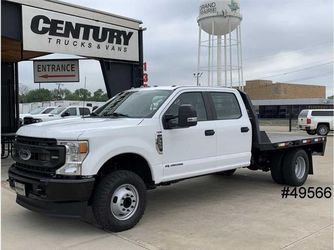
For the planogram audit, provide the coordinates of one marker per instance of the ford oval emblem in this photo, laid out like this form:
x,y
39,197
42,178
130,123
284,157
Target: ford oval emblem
x,y
24,154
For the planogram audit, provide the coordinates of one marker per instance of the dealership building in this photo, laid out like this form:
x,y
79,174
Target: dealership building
x,y
279,100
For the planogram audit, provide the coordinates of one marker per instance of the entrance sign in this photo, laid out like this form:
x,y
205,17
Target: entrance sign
x,y
53,32
56,71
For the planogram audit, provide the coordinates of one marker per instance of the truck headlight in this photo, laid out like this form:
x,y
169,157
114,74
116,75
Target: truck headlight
x,y
76,152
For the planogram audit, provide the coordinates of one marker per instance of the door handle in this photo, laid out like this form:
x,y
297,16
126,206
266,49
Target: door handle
x,y
244,129
209,132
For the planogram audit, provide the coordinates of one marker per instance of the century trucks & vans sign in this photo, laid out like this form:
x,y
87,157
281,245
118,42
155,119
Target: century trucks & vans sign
x,y
53,32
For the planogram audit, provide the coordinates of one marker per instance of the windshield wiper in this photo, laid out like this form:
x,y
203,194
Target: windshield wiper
x,y
115,114
119,114
93,114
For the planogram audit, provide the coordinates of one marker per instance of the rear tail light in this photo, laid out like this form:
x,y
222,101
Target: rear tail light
x,y
308,121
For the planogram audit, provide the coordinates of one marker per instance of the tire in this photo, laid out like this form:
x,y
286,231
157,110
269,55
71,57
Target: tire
x,y
311,132
322,129
117,192
295,167
276,169
227,172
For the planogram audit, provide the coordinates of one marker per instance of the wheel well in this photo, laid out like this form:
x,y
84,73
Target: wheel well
x,y
323,123
131,162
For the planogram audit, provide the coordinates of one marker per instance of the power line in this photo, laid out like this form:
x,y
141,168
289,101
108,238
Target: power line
x,y
294,71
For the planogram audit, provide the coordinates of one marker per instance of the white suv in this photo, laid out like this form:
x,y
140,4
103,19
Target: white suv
x,y
316,121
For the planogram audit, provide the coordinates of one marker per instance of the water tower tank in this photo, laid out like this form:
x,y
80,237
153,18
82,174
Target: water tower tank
x,y
219,17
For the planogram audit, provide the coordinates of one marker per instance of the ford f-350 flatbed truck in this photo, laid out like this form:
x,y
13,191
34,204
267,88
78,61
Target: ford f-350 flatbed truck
x,y
143,138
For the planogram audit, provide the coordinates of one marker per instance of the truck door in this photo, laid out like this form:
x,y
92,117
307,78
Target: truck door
x,y
189,151
233,131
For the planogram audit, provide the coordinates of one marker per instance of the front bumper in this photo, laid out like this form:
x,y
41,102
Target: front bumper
x,y
52,196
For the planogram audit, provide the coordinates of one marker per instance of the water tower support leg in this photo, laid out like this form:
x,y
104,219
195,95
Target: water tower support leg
x,y
199,49
225,58
209,60
238,57
219,61
241,65
230,37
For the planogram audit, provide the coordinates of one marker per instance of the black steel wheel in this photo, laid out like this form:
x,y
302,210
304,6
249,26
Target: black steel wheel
x,y
295,167
276,168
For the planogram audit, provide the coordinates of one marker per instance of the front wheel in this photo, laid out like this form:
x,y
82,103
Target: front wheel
x,y
119,201
295,167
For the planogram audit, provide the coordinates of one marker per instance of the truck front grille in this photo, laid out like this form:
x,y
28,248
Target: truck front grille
x,y
38,155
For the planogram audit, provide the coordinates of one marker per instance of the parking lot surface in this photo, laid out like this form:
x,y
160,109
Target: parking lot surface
x,y
243,211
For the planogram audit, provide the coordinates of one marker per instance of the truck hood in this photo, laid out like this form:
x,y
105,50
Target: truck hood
x,y
41,116
72,128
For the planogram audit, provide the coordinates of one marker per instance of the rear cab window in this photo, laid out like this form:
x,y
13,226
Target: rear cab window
x,y
84,111
226,105
303,114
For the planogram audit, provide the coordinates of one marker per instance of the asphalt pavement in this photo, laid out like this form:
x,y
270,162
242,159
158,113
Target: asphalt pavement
x,y
244,211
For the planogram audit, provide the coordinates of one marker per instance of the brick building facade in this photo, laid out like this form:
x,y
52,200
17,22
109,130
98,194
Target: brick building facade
x,y
282,100
267,90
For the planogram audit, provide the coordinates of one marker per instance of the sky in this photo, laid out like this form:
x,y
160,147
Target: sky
x,y
284,41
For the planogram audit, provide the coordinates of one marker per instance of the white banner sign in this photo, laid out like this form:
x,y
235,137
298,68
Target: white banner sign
x,y
48,31
56,71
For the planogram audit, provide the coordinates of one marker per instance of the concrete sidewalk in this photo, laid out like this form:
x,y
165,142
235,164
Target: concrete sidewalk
x,y
244,211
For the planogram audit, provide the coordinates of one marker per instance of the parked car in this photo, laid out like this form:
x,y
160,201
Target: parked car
x,y
58,113
37,111
316,121
144,138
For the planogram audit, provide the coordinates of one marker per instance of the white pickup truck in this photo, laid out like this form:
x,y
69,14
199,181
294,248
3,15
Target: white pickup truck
x,y
57,114
143,138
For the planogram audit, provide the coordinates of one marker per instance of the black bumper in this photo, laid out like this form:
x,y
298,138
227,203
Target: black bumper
x,y
52,196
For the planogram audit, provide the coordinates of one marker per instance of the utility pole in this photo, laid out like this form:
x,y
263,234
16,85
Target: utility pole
x,y
198,76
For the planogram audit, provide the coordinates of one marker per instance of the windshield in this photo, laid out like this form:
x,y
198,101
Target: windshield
x,y
36,111
57,111
134,104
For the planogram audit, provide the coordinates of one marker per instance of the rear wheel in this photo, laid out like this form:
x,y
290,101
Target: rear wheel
x,y
295,167
119,201
311,132
322,129
276,169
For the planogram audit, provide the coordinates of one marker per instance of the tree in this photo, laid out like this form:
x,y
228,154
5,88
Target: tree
x,y
38,95
99,96
330,97
81,94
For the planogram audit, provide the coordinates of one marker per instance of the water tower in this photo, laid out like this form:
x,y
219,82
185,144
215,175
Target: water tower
x,y
220,39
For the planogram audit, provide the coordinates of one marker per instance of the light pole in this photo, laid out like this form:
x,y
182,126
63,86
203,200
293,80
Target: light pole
x,y
198,76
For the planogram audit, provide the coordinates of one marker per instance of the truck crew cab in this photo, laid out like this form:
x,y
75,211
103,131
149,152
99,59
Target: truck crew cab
x,y
143,138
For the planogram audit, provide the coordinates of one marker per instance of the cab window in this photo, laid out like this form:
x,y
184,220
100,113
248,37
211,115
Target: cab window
x,y
193,98
72,111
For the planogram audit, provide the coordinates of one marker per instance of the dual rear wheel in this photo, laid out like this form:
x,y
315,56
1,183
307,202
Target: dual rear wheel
x,y
291,168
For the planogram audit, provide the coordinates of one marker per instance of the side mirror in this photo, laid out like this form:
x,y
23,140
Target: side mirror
x,y
187,116
65,114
